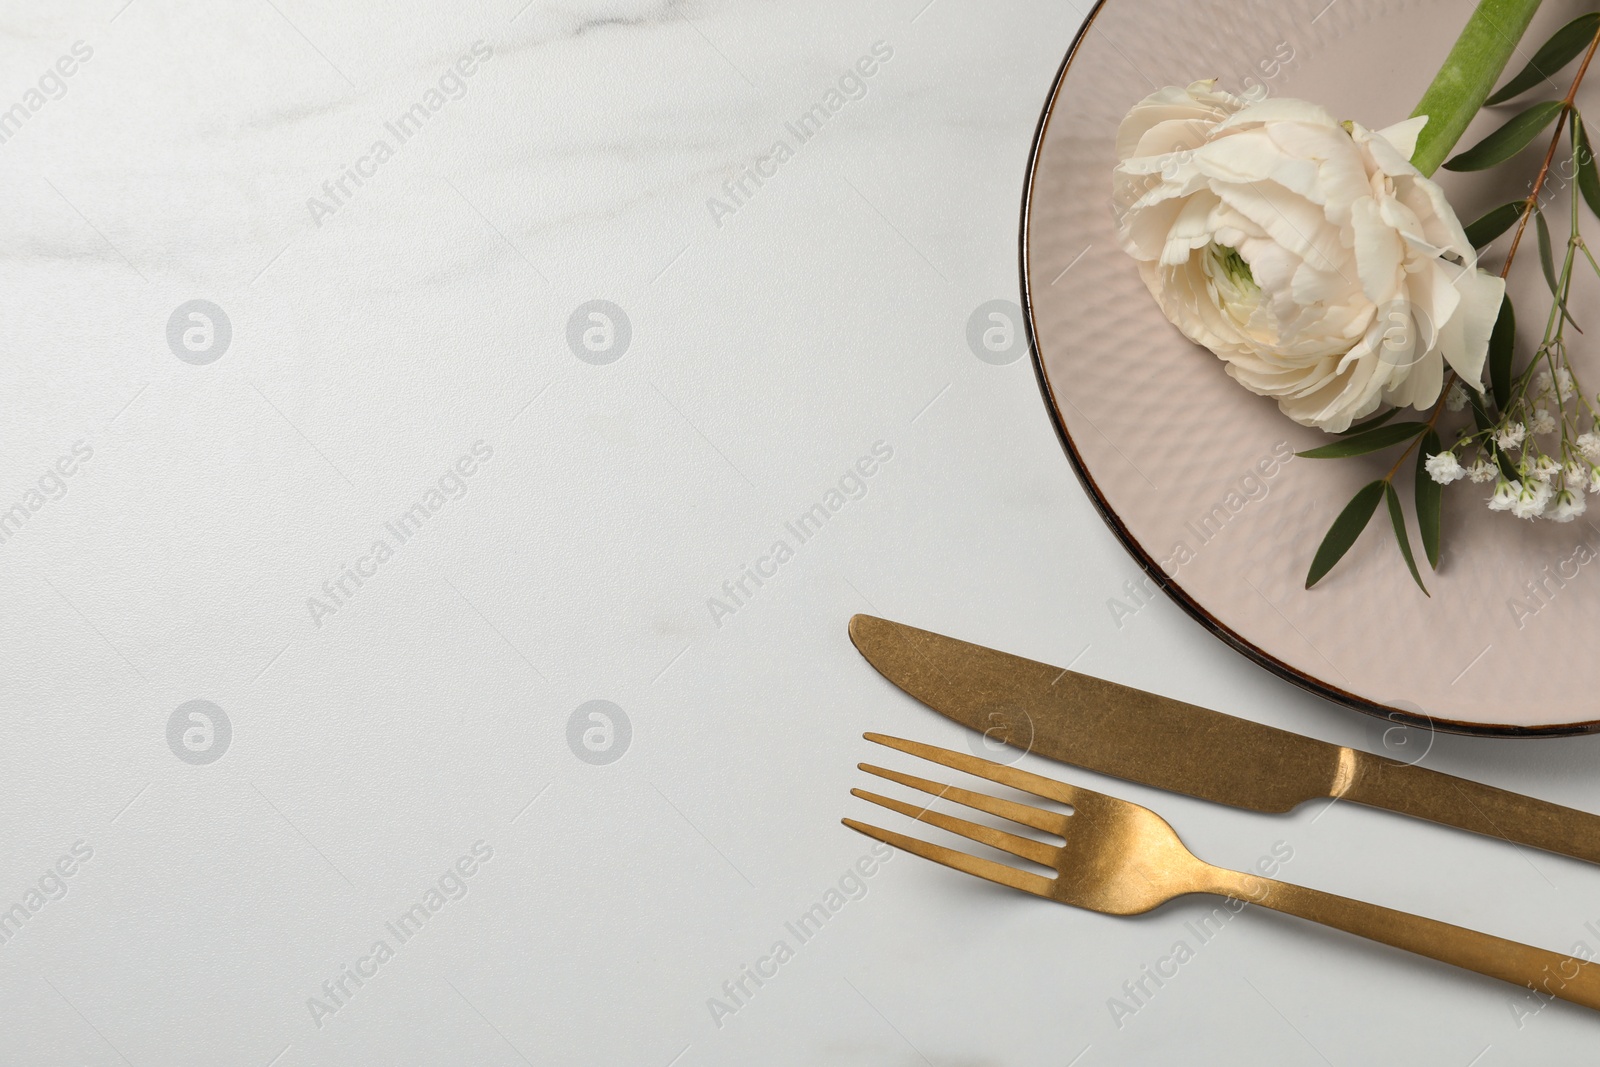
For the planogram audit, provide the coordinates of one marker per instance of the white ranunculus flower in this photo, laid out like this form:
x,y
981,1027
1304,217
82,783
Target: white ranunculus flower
x,y
1308,254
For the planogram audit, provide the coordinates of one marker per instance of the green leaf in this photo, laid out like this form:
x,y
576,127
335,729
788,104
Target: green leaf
x,y
1588,176
1345,529
1502,343
1495,223
1508,140
1368,441
1398,517
1468,76
1376,420
1548,264
1562,48
1430,495
1546,255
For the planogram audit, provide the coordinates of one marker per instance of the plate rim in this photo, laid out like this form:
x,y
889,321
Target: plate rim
x,y
1144,559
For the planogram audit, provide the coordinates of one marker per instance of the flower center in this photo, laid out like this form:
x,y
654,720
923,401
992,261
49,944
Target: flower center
x,y
1233,265
1232,285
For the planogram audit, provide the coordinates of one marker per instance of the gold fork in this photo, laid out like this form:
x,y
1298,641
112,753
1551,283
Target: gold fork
x,y
1123,859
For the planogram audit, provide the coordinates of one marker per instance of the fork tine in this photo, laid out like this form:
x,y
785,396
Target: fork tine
x,y
981,868
1048,821
1026,847
1037,784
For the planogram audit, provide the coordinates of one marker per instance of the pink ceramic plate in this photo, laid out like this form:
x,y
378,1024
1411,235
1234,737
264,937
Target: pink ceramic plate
x,y
1191,471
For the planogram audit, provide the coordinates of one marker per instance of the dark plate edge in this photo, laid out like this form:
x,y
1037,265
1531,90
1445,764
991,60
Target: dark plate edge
x,y
1146,562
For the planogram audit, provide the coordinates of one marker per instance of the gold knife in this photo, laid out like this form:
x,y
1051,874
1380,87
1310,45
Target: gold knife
x,y
1157,741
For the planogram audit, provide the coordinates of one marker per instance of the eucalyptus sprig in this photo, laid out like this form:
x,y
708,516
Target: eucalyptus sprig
x,y
1533,430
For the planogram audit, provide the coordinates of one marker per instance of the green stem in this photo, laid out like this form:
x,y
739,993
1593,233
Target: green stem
x,y
1468,76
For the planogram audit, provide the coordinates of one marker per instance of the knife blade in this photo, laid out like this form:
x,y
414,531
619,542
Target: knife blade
x,y
1184,748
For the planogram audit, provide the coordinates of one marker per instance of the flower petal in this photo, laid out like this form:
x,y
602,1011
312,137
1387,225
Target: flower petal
x,y
1465,340
1403,135
1198,104
1379,251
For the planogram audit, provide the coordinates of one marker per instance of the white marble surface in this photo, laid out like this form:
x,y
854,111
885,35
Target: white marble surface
x,y
380,739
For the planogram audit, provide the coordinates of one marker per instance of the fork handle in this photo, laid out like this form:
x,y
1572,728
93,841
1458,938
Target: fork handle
x,y
1547,972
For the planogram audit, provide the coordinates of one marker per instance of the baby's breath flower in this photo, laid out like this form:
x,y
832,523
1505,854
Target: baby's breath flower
x,y
1511,436
1456,399
1444,468
1543,469
1576,476
1505,495
1543,421
1589,445
1564,387
1531,501
1541,383
1483,471
1569,505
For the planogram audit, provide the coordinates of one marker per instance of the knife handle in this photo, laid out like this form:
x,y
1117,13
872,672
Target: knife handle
x,y
1548,973
1444,798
